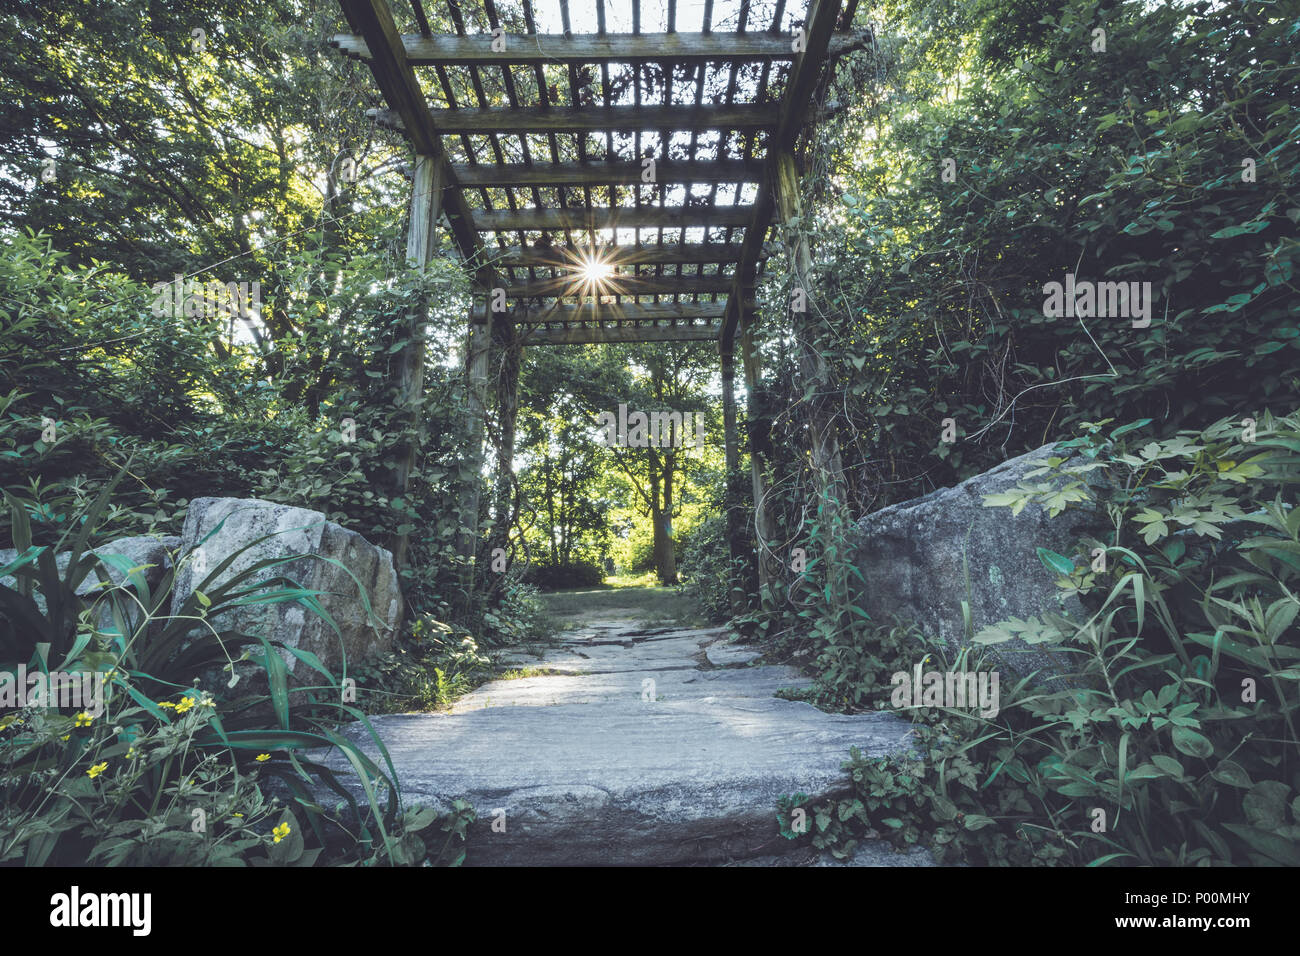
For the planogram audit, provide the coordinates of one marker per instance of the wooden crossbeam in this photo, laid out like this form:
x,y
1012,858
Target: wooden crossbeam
x,y
523,50
595,335
586,119
599,312
604,174
820,24
373,20
564,257
646,217
572,285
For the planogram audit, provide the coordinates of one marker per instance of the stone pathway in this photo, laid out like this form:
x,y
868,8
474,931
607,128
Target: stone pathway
x,y
636,746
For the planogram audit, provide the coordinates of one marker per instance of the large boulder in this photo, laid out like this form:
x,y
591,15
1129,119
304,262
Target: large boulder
x,y
216,528
920,559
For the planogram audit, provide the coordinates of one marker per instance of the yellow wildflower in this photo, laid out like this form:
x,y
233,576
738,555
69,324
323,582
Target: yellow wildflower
x,y
96,770
185,704
84,719
280,832
262,757
166,705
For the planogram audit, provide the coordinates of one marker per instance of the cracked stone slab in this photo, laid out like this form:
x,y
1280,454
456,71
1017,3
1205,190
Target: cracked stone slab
x,y
667,654
625,782
722,654
629,685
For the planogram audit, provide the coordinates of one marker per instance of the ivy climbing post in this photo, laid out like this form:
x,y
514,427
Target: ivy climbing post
x,y
824,447
421,246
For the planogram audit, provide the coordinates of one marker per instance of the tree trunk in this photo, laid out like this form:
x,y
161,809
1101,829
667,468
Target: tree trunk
x,y
662,515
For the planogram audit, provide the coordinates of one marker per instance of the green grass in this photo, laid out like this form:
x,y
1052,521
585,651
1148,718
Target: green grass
x,y
520,673
645,580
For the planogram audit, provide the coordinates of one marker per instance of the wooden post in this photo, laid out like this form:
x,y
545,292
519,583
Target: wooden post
x,y
506,342
421,244
736,537
828,467
478,346
763,531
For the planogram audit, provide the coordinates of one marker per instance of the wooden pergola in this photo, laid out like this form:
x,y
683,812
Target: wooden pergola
x,y
603,186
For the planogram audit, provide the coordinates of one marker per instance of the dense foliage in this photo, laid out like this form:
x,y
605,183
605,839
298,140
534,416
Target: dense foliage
x,y
1161,150
974,153
1176,742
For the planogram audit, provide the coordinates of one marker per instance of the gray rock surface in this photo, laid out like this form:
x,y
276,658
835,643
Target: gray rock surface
x,y
299,535
724,654
920,559
594,767
153,555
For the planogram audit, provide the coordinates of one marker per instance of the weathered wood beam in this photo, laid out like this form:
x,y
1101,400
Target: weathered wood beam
x,y
565,257
478,345
580,119
421,245
646,217
373,21
581,48
736,538
759,428
595,335
793,113
573,286
604,174
598,312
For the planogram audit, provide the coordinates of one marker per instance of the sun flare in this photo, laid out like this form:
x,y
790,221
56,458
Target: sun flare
x,y
593,272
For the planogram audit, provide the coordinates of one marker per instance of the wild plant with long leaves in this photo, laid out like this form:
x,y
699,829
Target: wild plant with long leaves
x,y
169,772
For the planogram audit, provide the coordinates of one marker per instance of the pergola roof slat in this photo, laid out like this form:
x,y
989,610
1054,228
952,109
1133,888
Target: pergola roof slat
x,y
571,119
605,312
622,284
605,173
675,252
596,335
641,217
585,48
670,139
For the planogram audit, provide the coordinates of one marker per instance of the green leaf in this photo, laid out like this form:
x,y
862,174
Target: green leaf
x,y
1265,805
1168,764
1232,773
1055,562
1193,744
1276,848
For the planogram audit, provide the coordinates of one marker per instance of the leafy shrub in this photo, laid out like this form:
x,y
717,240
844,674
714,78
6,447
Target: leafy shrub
x,y
1176,744
706,562
430,667
574,574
